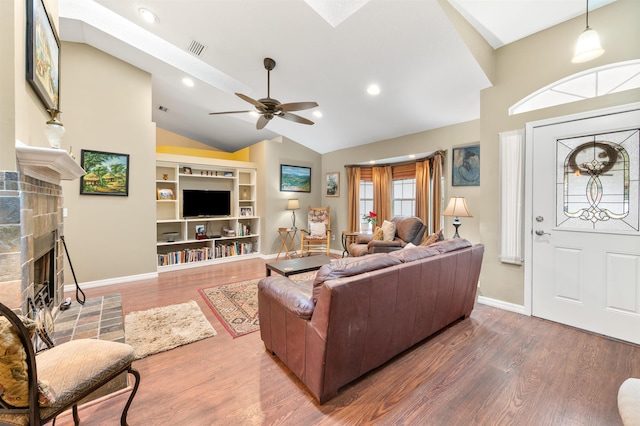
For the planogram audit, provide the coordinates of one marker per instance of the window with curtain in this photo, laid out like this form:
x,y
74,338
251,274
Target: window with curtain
x,y
366,197
511,176
404,197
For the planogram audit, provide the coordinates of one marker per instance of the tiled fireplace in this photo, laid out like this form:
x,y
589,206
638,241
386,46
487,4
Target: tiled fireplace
x,y
31,223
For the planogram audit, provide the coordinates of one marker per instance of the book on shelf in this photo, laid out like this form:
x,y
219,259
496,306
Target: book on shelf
x,y
233,249
185,256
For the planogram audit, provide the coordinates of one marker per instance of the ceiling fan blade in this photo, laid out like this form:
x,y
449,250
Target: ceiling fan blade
x,y
257,104
262,121
297,106
293,117
230,112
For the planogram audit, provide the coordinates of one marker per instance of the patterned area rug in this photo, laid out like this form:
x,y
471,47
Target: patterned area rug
x,y
236,304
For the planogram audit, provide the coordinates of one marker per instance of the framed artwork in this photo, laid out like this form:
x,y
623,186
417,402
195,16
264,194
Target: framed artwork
x,y
43,55
165,194
465,166
107,173
332,188
295,178
186,170
246,211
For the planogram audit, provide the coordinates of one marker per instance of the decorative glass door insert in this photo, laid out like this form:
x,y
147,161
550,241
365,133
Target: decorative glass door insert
x,y
597,182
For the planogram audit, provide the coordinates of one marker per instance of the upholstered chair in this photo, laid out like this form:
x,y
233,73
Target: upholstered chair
x,y
39,388
317,236
407,230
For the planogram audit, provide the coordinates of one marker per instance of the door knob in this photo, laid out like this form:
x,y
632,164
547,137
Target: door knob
x,y
540,232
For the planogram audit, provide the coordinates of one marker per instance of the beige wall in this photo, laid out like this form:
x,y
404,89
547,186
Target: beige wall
x,y
268,155
107,107
22,114
522,68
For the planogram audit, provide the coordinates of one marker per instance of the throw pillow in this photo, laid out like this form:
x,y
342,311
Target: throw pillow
x,y
388,230
318,229
14,380
409,245
433,238
378,234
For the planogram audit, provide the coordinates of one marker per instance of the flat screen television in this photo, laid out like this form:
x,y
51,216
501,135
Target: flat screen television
x,y
200,202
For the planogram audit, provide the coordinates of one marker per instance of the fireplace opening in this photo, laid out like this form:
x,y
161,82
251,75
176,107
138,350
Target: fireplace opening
x,y
44,275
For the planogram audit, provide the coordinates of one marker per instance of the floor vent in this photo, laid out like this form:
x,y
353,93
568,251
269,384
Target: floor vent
x,y
196,48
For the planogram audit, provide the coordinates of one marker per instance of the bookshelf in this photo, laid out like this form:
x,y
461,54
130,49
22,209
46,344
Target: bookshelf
x,y
225,238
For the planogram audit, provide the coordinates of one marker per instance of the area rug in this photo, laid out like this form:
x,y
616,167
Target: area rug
x,y
236,304
160,329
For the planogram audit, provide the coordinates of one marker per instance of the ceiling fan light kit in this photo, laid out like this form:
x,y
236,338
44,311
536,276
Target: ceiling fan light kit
x,y
268,107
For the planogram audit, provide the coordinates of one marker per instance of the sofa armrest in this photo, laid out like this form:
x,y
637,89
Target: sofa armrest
x,y
364,238
294,297
385,244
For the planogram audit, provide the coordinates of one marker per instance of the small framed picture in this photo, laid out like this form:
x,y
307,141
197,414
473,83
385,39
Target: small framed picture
x,y
200,230
165,194
332,188
246,211
186,170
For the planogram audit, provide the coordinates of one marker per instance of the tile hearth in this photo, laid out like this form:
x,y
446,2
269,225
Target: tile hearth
x,y
99,318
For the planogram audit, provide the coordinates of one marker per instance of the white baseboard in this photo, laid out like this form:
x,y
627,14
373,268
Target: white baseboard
x,y
111,281
507,306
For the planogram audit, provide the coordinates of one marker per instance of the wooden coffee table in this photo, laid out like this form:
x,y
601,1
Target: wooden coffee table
x,y
297,266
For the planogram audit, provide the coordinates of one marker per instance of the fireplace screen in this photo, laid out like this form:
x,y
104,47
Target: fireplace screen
x,y
597,182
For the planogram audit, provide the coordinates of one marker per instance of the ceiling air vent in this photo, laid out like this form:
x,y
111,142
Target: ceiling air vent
x,y
196,48
163,108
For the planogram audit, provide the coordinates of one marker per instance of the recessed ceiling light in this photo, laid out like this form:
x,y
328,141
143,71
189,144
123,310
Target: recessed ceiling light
x,y
373,89
148,15
412,156
317,114
188,82
372,162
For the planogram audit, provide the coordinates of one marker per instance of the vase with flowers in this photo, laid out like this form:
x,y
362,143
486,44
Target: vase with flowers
x,y
368,221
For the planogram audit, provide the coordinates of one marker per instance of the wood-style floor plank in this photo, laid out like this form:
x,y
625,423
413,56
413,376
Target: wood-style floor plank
x,y
495,368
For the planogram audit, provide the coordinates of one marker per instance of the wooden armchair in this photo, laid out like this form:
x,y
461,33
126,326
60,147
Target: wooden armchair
x,y
38,388
317,236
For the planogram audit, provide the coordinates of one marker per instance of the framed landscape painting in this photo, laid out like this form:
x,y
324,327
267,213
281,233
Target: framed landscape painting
x,y
107,174
465,167
295,178
43,55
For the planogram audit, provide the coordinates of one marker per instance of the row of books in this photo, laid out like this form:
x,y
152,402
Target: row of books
x,y
233,249
185,256
243,230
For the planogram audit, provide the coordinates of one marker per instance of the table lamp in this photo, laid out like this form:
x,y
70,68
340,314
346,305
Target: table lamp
x,y
457,207
293,204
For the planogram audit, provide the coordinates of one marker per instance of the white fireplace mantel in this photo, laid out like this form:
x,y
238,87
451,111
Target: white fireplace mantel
x,y
47,164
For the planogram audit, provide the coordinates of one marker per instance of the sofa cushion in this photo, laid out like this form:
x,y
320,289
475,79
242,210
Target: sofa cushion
x,y
409,229
351,266
388,230
417,252
451,244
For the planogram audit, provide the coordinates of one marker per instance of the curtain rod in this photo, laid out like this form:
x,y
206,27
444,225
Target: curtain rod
x,y
401,163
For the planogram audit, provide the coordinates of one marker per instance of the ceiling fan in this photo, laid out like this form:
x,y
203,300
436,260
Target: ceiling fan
x,y
269,107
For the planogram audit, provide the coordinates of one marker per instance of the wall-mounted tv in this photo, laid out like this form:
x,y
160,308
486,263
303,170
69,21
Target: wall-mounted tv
x,y
199,202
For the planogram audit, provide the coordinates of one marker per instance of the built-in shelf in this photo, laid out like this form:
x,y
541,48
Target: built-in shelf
x,y
47,164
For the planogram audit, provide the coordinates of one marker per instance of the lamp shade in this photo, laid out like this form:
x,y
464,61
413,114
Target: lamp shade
x,y
457,207
293,204
53,129
588,46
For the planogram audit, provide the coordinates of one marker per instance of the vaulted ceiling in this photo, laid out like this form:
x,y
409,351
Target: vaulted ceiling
x,y
427,76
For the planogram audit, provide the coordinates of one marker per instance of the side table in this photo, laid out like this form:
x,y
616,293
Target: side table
x,y
287,242
348,238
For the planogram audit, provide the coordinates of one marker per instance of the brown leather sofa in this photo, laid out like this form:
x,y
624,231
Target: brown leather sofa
x,y
408,230
360,312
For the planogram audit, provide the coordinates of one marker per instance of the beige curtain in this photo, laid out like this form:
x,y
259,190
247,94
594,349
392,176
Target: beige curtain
x,y
437,167
423,193
353,198
382,192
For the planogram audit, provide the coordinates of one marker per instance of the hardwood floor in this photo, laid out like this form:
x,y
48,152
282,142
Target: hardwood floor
x,y
495,368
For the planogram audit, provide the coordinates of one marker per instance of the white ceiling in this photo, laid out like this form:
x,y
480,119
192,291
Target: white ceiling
x,y
428,77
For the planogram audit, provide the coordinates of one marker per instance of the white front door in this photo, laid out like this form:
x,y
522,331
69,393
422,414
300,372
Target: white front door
x,y
585,243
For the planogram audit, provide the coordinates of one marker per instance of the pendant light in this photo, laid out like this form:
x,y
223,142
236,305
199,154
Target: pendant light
x,y
588,45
